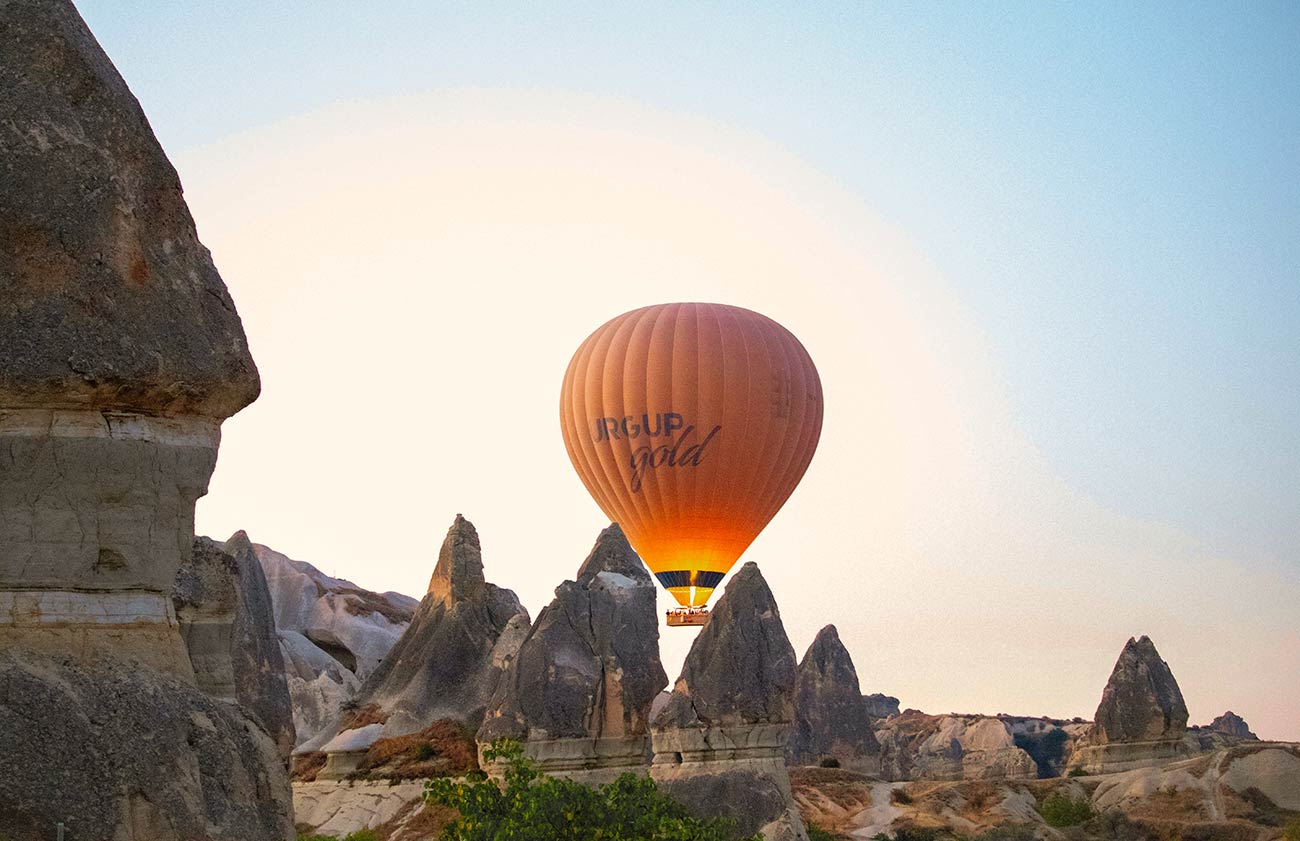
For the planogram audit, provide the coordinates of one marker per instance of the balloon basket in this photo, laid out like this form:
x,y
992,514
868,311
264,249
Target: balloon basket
x,y
687,616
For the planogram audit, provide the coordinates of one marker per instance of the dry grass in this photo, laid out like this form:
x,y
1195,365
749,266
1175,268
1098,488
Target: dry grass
x,y
363,603
306,766
444,748
369,714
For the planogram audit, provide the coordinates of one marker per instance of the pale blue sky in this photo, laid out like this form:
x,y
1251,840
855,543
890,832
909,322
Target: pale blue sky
x,y
1112,189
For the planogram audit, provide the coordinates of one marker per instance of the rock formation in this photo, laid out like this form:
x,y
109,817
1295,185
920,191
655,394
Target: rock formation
x,y
225,617
917,746
579,691
122,354
831,717
1141,701
447,664
333,634
719,741
1231,724
1142,719
881,706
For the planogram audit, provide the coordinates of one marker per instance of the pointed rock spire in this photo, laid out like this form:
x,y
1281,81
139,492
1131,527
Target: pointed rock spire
x,y
831,716
1142,701
589,667
741,668
458,574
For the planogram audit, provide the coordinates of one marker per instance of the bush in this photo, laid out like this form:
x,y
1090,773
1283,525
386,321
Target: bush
x,y
829,762
531,806
899,797
816,833
1059,810
1292,831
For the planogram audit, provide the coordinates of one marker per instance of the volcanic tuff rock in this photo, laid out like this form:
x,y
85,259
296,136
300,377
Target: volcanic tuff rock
x,y
116,751
1232,724
831,717
719,741
332,635
122,353
1141,701
917,746
448,662
881,706
225,618
580,688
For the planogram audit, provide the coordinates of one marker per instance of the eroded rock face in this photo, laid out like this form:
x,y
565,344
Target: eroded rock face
x,y
580,688
206,597
447,663
917,746
1141,701
1232,724
111,301
881,706
332,635
719,741
831,717
76,752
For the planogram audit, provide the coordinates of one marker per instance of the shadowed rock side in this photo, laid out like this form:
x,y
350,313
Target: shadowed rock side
x,y
111,301
258,664
122,353
719,741
831,717
881,706
580,688
120,752
447,664
332,633
225,618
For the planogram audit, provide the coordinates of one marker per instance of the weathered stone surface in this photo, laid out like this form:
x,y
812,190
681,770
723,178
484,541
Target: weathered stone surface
x,y
110,300
831,717
1232,724
719,741
579,691
261,685
206,597
881,706
1141,701
445,666
741,669
332,635
124,753
917,746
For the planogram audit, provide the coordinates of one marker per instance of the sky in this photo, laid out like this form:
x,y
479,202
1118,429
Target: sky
x,y
1045,257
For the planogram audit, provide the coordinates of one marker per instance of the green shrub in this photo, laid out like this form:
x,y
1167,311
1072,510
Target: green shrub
x,y
362,835
308,836
531,806
1292,831
900,797
1077,772
1059,810
816,833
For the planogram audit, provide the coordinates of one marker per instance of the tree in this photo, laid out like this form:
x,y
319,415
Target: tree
x,y
530,806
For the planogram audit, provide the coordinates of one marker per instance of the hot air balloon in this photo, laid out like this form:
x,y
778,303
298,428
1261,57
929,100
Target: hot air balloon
x,y
691,424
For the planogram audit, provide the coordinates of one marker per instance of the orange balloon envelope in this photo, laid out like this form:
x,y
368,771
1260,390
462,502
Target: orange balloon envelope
x,y
690,425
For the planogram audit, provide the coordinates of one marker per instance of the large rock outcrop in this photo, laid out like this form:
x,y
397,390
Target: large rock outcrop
x,y
1142,718
447,664
117,751
831,717
719,741
579,691
880,705
1231,724
224,611
917,746
120,355
333,634
1141,701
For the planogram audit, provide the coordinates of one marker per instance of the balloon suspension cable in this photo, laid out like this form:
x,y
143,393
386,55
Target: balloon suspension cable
x,y
687,616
